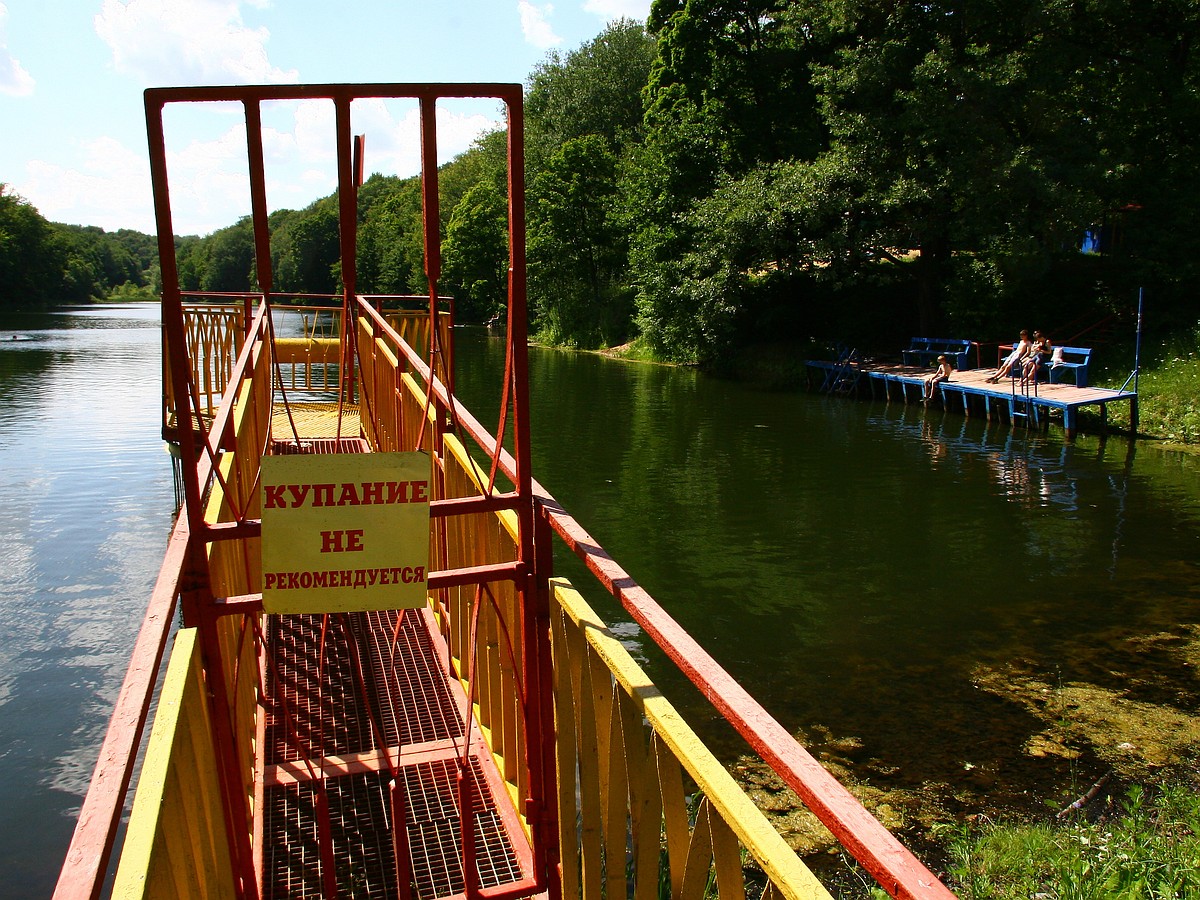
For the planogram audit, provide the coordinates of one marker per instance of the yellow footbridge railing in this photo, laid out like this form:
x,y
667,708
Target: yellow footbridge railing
x,y
644,809
636,785
177,843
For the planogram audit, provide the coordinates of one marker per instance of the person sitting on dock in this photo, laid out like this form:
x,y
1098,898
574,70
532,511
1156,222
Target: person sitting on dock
x,y
931,381
1038,354
1019,351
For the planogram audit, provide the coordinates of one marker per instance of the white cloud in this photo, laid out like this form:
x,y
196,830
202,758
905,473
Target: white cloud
x,y
535,26
186,42
112,190
14,80
617,9
393,137
394,145
210,186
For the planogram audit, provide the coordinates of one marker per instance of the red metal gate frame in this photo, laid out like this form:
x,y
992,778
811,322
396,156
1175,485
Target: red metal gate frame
x,y
199,602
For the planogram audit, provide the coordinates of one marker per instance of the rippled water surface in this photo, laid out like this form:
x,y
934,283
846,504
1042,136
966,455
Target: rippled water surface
x,y
85,505
856,565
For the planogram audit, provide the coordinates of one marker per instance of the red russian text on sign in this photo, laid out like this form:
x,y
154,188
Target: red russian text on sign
x,y
321,512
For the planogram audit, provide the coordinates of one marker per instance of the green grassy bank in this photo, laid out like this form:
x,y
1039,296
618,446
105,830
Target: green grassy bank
x,y
1169,392
1144,845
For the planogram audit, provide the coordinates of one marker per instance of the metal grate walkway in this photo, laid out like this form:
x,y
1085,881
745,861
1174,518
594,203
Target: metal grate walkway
x,y
323,725
314,420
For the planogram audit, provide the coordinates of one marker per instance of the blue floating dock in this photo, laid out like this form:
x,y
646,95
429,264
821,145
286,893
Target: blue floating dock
x,y
1013,400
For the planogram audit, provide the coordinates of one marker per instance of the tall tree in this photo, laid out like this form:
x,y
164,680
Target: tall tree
x,y
741,65
475,254
956,132
585,117
593,90
309,249
959,150
230,258
390,242
31,266
576,253
729,90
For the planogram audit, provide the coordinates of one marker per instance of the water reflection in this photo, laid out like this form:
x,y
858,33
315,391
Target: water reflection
x,y
857,565
1026,468
86,494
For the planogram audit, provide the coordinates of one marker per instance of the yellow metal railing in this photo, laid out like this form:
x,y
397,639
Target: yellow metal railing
x,y
643,808
235,566
177,844
307,349
624,756
641,801
214,335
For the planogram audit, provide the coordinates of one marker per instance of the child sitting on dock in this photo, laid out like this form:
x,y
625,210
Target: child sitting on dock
x,y
1019,351
931,381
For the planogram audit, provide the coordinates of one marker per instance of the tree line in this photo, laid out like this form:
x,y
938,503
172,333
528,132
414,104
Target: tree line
x,y
743,171
44,263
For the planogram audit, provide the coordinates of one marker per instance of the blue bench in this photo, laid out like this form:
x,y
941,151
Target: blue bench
x,y
1069,359
923,351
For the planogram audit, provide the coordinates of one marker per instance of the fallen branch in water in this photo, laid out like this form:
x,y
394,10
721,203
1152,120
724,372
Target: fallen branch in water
x,y
1086,798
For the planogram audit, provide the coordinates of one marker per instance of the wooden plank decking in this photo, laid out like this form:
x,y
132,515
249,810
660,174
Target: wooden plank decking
x,y
969,391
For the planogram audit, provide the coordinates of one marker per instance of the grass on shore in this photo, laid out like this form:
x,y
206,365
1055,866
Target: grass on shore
x,y
1169,393
1147,846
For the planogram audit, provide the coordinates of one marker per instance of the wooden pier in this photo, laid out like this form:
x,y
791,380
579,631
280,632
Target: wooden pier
x,y
1019,402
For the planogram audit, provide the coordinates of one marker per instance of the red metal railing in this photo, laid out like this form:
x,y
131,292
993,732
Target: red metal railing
x,y
888,861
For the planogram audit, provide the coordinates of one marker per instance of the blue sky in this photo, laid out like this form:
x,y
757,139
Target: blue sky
x,y
72,74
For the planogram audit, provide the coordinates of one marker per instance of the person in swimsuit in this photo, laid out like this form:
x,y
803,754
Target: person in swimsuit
x,y
931,381
1038,354
1019,351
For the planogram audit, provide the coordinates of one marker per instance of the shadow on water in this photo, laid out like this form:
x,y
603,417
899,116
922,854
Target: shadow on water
x,y
920,596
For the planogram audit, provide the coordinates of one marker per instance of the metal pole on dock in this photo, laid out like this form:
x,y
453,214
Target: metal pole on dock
x,y
1137,347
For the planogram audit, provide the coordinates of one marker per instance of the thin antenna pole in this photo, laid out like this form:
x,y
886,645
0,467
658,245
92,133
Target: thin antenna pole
x,y
1137,349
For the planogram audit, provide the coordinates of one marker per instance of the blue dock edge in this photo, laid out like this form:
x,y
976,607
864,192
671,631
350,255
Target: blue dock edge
x,y
969,390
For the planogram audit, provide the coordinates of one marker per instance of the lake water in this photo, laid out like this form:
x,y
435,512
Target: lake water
x,y
85,504
861,567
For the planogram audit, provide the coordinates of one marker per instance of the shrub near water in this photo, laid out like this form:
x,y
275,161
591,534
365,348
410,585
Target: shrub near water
x,y
1148,848
1168,391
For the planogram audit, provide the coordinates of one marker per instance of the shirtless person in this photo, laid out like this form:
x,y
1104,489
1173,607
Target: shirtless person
x,y
931,381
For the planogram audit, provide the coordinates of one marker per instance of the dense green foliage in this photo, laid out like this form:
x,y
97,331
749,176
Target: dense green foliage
x,y
935,169
745,171
43,263
585,125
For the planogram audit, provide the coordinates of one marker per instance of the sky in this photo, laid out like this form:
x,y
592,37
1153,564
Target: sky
x,y
72,73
